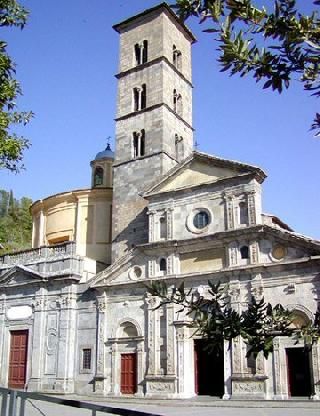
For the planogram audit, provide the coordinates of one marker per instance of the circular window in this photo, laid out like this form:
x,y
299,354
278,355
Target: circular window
x,y
135,273
279,252
198,220
201,220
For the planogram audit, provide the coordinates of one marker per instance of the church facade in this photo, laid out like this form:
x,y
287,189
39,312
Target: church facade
x,y
75,316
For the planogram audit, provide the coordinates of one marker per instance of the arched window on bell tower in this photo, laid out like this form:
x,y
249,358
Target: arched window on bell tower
x,y
177,102
98,176
179,147
176,58
138,143
139,98
141,52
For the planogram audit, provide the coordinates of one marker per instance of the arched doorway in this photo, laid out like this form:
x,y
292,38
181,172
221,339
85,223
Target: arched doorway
x,y
128,378
299,363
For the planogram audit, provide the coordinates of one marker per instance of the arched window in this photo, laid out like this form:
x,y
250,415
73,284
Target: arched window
x,y
243,213
163,265
163,228
139,98
141,52
244,252
138,143
176,57
98,176
179,146
177,102
145,52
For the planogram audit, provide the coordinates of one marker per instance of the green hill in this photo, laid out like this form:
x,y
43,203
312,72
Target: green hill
x,y
15,222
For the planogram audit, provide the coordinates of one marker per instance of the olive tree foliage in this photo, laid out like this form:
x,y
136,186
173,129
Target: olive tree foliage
x,y
216,321
12,145
275,45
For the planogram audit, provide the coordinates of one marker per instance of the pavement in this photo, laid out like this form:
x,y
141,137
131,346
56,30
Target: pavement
x,y
198,406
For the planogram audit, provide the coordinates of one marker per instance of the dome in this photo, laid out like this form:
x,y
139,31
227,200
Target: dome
x,y
107,153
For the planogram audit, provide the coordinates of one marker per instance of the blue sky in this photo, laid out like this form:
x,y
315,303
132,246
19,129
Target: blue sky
x,y
66,59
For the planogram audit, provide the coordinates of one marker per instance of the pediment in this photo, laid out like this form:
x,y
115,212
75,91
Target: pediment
x,y
128,269
20,276
200,169
282,245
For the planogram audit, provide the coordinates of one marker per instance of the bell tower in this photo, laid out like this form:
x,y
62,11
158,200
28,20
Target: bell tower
x,y
154,115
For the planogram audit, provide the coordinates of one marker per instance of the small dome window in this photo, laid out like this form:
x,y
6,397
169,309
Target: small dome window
x,y
98,176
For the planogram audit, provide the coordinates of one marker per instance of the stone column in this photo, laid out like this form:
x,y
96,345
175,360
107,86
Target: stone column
x,y
229,211
151,226
252,217
101,328
279,387
254,252
140,369
169,224
150,302
67,342
115,373
227,371
38,342
185,361
171,365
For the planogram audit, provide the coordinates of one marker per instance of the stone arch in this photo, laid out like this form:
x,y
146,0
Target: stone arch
x,y
301,315
128,328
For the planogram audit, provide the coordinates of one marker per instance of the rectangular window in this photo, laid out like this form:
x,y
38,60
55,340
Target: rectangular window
x,y
86,358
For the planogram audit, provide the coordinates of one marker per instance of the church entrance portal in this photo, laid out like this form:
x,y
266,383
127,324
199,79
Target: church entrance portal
x,y
128,373
18,359
209,374
299,377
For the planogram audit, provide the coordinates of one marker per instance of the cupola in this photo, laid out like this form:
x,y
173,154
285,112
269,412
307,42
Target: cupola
x,y
102,168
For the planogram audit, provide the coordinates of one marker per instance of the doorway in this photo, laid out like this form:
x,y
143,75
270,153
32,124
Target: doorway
x,y
299,375
18,359
209,370
128,373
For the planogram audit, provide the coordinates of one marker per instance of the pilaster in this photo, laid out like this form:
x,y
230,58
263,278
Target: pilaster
x,y
100,375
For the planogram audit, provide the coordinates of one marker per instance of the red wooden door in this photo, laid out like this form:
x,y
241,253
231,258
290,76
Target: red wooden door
x,y
128,373
18,359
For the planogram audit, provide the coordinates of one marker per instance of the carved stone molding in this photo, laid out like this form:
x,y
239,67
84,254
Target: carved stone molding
x,y
39,304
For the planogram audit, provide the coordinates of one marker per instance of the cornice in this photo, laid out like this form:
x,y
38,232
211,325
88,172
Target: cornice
x,y
155,61
151,108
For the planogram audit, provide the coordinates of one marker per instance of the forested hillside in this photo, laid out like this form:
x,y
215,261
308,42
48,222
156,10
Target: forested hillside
x,y
15,222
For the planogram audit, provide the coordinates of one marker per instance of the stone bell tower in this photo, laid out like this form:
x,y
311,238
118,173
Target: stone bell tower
x,y
154,115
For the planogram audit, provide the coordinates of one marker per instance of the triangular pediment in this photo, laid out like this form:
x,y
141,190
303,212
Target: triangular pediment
x,y
127,269
199,169
20,276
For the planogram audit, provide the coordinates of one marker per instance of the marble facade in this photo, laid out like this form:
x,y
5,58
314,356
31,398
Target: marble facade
x,y
177,215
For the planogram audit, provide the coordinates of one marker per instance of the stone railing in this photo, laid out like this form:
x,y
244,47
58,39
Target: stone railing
x,y
33,255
